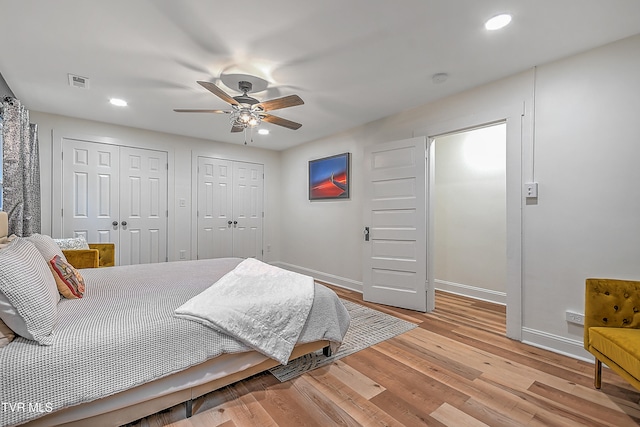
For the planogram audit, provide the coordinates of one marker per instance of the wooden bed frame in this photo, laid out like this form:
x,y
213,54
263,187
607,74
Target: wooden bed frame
x,y
73,416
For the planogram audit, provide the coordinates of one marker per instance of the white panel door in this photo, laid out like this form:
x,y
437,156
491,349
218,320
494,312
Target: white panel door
x,y
395,252
116,194
215,203
248,182
91,175
230,208
143,206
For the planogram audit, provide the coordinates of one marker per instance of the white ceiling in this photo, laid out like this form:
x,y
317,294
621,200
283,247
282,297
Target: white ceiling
x,y
351,61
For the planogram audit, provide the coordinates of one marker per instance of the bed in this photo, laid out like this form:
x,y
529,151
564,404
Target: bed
x,y
120,352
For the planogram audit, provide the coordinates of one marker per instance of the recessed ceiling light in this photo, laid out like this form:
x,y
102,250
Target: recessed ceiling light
x,y
118,102
263,131
497,22
439,78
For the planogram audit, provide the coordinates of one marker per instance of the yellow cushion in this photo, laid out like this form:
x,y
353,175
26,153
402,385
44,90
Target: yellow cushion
x,y
621,345
106,253
82,258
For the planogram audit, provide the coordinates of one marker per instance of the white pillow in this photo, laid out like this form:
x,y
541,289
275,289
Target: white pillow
x,y
28,292
47,247
72,243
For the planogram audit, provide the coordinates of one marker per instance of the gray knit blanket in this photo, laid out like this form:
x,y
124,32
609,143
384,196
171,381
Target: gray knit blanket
x,y
123,333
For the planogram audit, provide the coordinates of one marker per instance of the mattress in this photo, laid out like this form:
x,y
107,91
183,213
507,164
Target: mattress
x,y
123,333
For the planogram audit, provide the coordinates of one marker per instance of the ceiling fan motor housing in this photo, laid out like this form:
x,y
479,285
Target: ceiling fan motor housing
x,y
244,98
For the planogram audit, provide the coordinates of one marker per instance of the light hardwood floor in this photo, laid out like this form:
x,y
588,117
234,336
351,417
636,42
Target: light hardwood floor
x,y
456,369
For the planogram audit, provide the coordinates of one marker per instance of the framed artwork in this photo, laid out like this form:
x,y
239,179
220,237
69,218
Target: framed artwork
x,y
329,177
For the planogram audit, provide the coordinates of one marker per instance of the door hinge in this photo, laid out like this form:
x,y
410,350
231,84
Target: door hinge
x,y
62,212
167,212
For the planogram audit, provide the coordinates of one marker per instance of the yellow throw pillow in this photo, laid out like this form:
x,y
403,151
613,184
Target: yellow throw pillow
x,y
69,280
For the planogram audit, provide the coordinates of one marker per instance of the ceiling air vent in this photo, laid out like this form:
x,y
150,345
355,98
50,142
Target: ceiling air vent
x,y
78,81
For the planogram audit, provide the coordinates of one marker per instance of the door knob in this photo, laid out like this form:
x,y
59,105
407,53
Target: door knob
x,y
229,222
114,223
124,223
235,222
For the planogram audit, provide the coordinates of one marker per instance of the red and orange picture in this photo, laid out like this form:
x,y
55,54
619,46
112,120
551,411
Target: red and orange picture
x,y
329,177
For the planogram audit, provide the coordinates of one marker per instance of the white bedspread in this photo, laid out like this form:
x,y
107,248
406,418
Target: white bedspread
x,y
263,306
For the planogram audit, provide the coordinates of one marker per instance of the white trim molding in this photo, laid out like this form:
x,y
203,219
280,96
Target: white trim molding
x,y
556,344
331,279
472,292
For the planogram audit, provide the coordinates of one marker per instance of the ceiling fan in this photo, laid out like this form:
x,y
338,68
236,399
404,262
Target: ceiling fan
x,y
246,111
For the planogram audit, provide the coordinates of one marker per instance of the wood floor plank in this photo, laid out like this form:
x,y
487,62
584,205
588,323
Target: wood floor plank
x,y
359,383
357,406
448,415
457,368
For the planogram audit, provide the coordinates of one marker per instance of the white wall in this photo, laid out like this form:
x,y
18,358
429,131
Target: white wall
x,y
582,148
470,213
51,128
586,222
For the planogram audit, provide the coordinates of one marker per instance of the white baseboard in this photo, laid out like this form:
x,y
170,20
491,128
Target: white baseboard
x,y
472,292
331,279
556,344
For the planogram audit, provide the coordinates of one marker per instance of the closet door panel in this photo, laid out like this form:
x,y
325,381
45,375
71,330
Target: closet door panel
x,y
215,221
90,190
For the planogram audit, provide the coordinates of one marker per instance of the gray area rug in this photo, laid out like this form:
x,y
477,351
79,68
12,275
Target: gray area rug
x,y
367,327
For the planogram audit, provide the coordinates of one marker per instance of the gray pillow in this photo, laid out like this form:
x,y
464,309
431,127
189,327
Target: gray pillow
x,y
28,292
47,246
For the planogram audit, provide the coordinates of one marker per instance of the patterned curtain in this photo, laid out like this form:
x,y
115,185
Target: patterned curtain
x,y
21,169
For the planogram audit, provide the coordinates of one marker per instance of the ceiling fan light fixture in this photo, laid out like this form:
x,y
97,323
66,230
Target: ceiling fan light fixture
x,y
245,118
498,22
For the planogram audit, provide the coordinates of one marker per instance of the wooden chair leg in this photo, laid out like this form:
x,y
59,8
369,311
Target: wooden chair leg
x,y
597,382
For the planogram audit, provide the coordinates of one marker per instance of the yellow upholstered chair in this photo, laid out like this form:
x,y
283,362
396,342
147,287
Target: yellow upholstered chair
x,y
98,255
612,327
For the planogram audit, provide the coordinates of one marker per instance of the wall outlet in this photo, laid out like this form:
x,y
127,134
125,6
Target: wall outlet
x,y
183,254
531,189
573,317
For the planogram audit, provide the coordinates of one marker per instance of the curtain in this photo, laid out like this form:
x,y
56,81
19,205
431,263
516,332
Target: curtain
x,y
21,169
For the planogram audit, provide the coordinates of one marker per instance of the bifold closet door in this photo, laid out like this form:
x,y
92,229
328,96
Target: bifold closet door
x,y
116,194
143,206
90,191
215,224
248,183
230,208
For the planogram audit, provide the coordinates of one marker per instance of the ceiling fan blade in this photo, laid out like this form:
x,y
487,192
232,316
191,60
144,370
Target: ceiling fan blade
x,y
237,128
281,122
218,92
278,103
185,110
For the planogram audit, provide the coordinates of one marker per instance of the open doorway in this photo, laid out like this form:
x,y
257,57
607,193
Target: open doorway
x,y
470,219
